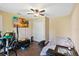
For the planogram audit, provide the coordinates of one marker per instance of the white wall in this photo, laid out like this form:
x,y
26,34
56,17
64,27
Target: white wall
x,y
75,27
1,23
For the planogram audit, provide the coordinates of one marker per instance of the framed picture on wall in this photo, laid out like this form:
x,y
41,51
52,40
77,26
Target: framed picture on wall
x,y
20,22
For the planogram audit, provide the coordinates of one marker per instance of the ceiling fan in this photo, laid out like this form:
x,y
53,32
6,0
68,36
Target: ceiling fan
x,y
36,12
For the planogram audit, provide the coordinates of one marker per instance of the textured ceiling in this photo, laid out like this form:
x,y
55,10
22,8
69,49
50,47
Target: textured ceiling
x,y
52,9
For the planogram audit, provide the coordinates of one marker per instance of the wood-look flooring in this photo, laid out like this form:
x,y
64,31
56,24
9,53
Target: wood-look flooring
x,y
33,50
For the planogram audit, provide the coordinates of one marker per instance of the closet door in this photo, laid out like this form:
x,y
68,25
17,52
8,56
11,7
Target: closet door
x,y
38,30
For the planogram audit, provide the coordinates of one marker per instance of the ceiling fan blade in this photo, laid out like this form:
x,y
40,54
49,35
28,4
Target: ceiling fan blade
x,y
42,11
42,14
29,13
32,10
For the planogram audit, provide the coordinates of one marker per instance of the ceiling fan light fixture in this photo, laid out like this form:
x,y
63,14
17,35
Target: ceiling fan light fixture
x,y
37,12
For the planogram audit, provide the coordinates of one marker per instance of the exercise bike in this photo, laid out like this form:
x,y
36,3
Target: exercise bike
x,y
8,44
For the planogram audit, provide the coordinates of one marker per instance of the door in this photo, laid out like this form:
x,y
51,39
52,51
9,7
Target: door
x,y
38,30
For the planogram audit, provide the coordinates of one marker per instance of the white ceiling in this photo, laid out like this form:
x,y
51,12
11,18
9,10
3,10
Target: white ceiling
x,y
52,9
